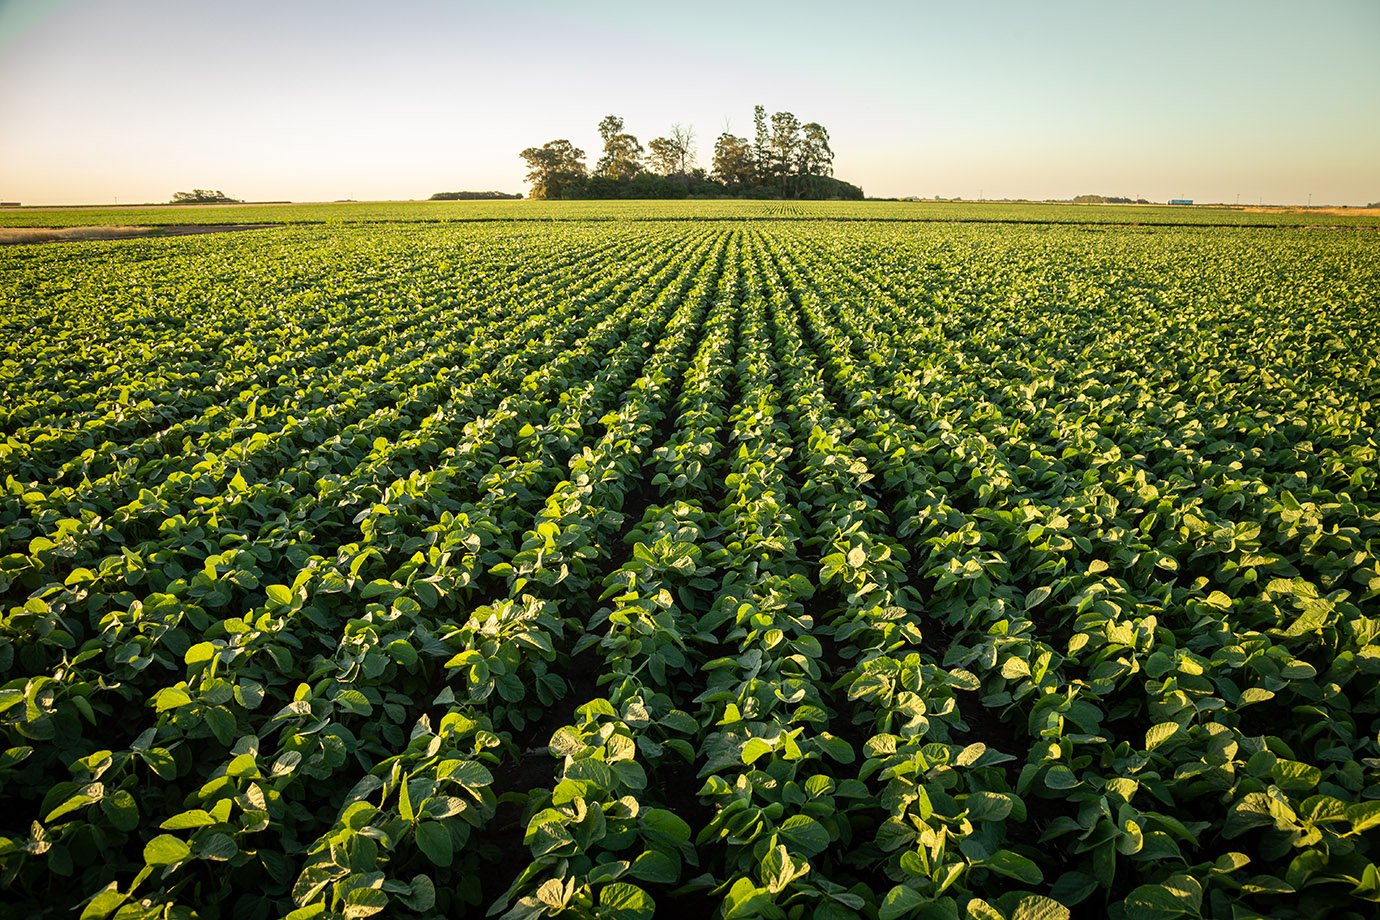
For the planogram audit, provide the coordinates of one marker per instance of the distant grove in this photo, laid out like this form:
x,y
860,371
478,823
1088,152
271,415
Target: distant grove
x,y
784,159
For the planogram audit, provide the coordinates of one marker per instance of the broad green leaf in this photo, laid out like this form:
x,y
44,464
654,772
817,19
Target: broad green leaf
x,y
988,806
1039,907
979,909
1176,896
970,754
171,698
664,825
624,901
1363,816
1293,776
803,834
219,847
1015,866
188,820
1015,668
755,748
1060,778
899,902
364,902
121,810
421,895
656,867
434,840
105,903
165,850
1160,733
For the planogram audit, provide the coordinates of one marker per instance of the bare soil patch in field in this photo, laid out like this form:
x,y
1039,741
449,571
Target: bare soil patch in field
x,y
15,235
1345,212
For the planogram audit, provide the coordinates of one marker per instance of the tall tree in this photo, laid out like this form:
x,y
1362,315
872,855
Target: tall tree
x,y
609,127
761,145
664,154
622,157
734,163
784,149
674,155
816,157
553,167
684,138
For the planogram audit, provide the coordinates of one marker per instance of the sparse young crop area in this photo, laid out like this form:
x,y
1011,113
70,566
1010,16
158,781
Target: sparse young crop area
x,y
796,568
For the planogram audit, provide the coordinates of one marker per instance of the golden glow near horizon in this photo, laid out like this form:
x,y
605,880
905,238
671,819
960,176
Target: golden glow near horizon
x,y
1248,101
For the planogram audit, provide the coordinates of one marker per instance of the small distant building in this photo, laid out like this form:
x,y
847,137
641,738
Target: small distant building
x,y
1181,201
9,204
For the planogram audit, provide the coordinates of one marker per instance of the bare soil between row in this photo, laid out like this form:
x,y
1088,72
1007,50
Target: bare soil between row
x,y
15,236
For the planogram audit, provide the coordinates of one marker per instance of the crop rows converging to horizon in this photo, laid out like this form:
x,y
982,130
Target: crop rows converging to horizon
x,y
797,570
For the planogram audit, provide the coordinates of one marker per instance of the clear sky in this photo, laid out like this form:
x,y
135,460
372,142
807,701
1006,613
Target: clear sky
x,y
309,100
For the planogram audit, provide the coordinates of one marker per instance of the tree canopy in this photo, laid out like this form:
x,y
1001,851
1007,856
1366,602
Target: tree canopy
x,y
622,159
473,196
785,159
203,196
554,167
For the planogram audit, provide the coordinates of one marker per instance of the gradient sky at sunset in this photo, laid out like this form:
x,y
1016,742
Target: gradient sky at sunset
x,y
309,100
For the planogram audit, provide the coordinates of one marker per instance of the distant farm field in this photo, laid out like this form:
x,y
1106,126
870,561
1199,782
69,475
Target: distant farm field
x,y
736,559
905,211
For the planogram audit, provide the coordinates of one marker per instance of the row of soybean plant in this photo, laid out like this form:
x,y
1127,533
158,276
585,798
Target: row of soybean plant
x,y
505,657
1112,639
140,631
172,354
606,830
942,838
240,661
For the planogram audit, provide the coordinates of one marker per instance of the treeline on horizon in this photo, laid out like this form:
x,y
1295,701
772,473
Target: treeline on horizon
x,y
785,159
203,196
474,196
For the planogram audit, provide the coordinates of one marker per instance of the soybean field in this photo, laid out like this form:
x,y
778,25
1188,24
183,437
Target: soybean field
x,y
783,568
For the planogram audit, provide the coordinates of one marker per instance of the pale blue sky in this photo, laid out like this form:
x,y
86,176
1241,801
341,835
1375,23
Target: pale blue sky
x,y
311,100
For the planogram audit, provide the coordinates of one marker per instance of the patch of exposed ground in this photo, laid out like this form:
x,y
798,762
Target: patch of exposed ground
x,y
15,235
1344,212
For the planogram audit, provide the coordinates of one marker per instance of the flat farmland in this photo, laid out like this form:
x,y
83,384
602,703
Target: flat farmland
x,y
994,212
733,560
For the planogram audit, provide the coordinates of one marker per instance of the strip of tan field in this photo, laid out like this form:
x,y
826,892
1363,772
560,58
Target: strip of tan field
x,y
16,235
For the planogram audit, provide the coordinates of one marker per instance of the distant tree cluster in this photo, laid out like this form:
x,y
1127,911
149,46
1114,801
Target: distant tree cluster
x,y
783,155
474,196
203,196
785,159
1106,199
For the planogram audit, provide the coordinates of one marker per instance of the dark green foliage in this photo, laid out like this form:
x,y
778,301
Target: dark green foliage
x,y
473,196
792,161
203,196
650,185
